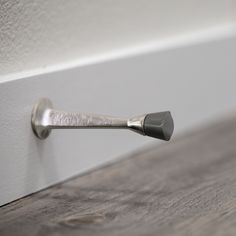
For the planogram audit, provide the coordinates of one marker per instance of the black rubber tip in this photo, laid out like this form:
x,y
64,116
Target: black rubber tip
x,y
159,125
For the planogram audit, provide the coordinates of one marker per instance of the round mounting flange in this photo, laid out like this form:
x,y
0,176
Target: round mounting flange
x,y
40,118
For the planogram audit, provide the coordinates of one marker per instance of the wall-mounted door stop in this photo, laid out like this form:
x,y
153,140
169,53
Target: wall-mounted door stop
x,y
44,118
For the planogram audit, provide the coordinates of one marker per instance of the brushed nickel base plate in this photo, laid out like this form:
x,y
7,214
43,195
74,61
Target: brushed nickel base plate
x,y
39,118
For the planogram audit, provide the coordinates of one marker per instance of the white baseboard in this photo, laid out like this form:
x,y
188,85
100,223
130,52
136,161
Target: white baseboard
x,y
196,82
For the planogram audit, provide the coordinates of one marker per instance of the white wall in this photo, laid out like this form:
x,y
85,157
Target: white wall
x,y
189,68
37,34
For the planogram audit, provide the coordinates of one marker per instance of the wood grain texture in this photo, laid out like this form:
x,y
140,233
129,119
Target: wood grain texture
x,y
186,187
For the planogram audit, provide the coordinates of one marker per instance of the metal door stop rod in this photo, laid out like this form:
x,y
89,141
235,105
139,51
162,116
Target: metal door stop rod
x,y
44,118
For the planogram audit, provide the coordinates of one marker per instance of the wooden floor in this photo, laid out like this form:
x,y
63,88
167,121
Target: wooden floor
x,y
186,187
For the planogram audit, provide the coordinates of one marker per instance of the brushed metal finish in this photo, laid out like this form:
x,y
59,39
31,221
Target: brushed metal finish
x,y
44,118
40,118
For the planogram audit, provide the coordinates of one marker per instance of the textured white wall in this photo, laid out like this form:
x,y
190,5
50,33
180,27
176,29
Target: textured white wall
x,y
37,34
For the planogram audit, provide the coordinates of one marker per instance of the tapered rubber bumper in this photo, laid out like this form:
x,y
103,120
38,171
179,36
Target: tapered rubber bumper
x,y
159,125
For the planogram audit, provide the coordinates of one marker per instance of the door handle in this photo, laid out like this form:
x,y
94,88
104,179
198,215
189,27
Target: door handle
x,y
44,118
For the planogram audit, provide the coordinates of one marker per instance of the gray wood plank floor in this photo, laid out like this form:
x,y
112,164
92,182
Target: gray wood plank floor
x,y
185,187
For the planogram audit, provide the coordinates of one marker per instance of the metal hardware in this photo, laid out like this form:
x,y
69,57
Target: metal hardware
x,y
45,118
